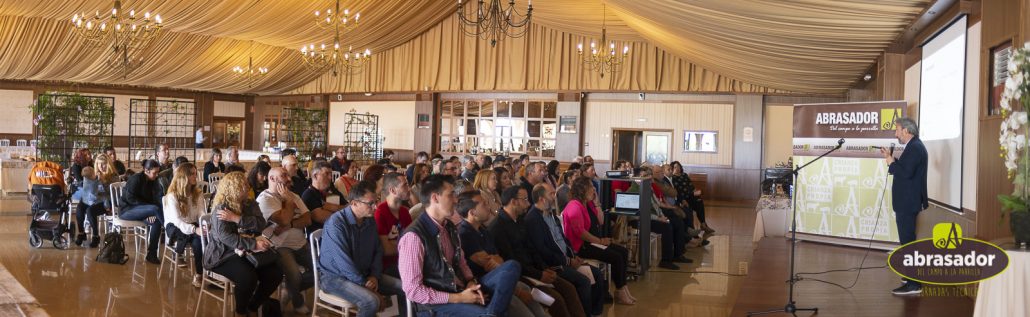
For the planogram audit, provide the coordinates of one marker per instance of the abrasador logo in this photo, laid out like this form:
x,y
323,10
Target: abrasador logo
x,y
948,258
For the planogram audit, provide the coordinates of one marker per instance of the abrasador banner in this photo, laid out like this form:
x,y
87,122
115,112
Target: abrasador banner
x,y
842,195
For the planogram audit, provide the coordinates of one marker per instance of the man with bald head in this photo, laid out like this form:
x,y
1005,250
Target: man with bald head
x,y
289,216
299,181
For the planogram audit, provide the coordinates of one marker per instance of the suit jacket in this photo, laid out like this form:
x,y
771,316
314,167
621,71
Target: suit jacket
x,y
540,239
512,243
909,170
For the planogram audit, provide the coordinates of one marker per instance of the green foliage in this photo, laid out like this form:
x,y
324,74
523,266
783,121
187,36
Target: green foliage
x,y
65,121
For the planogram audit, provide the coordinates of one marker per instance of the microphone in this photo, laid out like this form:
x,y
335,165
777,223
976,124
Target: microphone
x,y
890,148
840,143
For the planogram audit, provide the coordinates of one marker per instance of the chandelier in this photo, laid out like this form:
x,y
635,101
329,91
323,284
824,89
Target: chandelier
x,y
491,22
124,35
603,59
249,73
324,58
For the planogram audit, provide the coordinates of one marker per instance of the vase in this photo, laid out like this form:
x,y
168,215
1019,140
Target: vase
x,y
1019,223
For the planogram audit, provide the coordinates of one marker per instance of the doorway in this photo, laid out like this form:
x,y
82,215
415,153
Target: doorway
x,y
639,146
226,132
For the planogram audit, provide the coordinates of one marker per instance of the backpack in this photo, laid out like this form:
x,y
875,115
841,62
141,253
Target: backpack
x,y
47,173
113,250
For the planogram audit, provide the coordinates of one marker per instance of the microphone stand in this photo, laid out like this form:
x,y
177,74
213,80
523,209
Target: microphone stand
x,y
791,307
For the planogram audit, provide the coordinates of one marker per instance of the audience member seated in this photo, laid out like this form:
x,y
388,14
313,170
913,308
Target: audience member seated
x,y
299,182
420,171
347,179
666,220
504,179
543,228
163,157
119,167
214,164
183,206
552,173
288,216
265,158
392,218
224,253
340,163
481,254
232,156
321,197
512,242
351,260
164,178
421,158
689,196
374,173
141,201
582,228
468,168
91,196
81,159
433,269
536,173
257,178
486,184
562,192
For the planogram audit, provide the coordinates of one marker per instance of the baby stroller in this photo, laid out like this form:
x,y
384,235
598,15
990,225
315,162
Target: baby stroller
x,y
51,209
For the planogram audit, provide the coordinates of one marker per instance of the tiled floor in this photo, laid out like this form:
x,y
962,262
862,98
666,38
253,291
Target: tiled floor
x,y
71,283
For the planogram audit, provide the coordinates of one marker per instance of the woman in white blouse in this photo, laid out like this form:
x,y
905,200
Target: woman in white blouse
x,y
183,205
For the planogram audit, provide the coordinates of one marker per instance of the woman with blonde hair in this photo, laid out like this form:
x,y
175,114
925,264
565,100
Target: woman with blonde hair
x,y
105,174
486,183
225,251
183,205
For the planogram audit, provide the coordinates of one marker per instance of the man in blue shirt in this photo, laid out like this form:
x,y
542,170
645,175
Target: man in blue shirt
x,y
351,259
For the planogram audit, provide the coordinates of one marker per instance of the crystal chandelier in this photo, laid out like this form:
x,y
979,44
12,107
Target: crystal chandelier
x,y
603,59
324,58
491,22
125,35
249,73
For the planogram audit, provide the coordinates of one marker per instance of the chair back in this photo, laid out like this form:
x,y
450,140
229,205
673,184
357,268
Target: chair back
x,y
116,196
5,142
336,175
22,143
316,249
205,226
212,181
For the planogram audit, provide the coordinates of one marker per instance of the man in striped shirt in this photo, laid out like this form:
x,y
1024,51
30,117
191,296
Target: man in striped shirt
x,y
433,270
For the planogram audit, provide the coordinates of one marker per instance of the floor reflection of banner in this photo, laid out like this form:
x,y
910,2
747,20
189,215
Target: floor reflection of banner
x,y
840,196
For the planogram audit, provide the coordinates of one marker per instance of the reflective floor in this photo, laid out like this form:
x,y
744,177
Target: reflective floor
x,y
71,283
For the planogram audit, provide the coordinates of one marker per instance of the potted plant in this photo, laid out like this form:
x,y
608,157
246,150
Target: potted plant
x,y
1013,139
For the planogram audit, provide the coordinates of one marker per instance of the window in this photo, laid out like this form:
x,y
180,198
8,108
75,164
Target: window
x,y
472,126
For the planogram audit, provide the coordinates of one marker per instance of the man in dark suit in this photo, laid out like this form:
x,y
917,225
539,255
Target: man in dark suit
x,y
909,188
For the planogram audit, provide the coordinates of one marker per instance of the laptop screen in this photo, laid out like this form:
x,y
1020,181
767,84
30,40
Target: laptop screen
x,y
627,201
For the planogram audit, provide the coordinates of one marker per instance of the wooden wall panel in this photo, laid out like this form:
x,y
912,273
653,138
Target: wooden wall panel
x,y
1002,21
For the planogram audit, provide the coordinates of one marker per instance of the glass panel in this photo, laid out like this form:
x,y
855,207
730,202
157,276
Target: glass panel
x,y
513,145
486,127
547,148
534,109
534,129
459,109
445,108
518,128
486,144
533,149
550,129
550,110
502,109
470,143
470,126
518,109
486,109
459,126
472,109
445,126
446,144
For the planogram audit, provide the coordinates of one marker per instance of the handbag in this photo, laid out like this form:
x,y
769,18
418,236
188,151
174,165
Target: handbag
x,y
263,258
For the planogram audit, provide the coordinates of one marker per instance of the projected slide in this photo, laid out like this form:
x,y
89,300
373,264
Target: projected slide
x,y
941,101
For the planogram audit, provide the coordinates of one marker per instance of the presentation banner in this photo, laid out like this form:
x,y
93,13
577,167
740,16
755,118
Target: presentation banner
x,y
841,194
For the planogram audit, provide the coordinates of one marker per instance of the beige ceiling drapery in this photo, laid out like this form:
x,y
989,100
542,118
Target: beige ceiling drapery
x,y
444,59
806,46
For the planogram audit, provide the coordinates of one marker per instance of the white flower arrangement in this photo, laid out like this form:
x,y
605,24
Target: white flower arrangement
x,y
1014,127
1015,130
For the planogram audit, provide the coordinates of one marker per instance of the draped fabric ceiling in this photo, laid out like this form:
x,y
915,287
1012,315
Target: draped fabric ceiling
x,y
770,46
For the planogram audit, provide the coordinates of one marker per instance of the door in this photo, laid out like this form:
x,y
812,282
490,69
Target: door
x,y
627,146
226,133
657,147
